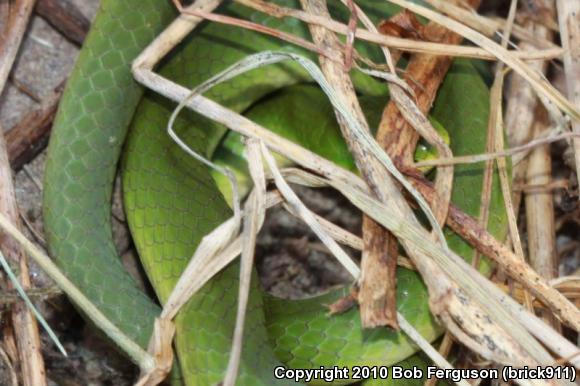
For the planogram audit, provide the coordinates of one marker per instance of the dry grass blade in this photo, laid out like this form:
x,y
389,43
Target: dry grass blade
x,y
253,220
496,134
486,25
569,18
393,42
543,139
160,347
492,132
504,179
541,86
223,19
200,270
196,273
377,300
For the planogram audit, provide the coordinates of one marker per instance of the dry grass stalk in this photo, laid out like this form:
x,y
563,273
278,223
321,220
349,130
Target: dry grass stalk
x,y
540,85
543,139
375,270
540,213
253,219
402,123
377,295
199,269
161,348
569,19
223,19
495,110
488,26
521,107
298,207
496,143
391,41
511,211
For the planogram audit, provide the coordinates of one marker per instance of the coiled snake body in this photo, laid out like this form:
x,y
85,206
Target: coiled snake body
x,y
171,200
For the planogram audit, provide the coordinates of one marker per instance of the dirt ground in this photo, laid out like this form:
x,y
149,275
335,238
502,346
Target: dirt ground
x,y
291,261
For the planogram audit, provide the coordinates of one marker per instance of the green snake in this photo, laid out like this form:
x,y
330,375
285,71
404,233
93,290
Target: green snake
x,y
172,201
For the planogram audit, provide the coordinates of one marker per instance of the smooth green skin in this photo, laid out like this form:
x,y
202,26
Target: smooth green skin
x,y
172,201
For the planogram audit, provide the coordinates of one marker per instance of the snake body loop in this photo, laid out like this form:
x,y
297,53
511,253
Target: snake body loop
x,y
172,202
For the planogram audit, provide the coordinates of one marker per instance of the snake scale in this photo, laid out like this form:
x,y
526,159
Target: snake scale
x,y
171,200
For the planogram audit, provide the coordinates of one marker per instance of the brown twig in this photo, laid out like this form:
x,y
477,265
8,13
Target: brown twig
x,y
469,229
223,19
25,89
372,311
424,74
35,294
65,17
14,31
29,136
